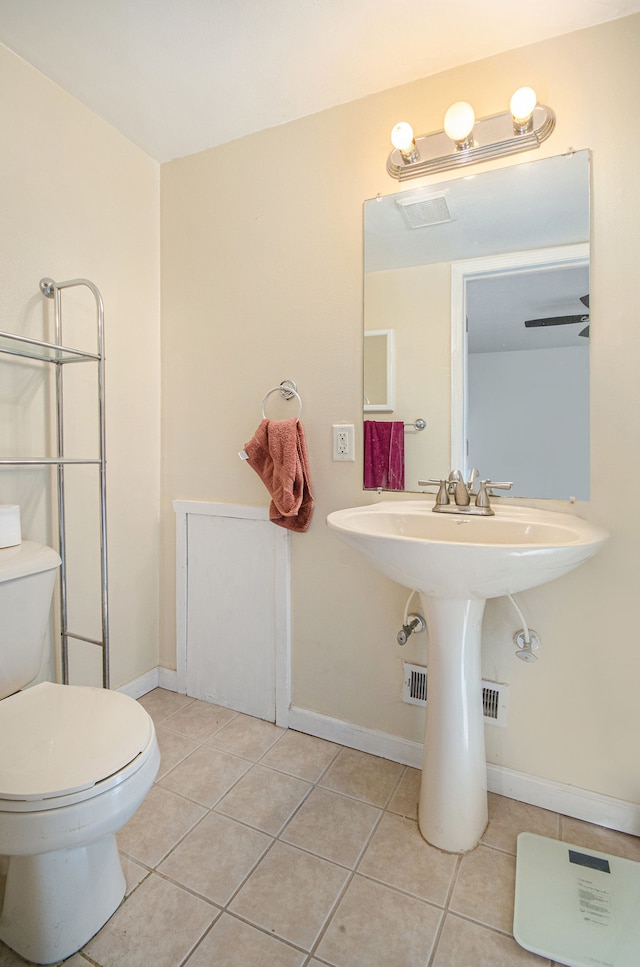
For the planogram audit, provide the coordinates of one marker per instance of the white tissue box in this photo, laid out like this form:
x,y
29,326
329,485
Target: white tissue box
x,y
10,533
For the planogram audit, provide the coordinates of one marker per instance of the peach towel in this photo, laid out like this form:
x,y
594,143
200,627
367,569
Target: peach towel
x,y
278,453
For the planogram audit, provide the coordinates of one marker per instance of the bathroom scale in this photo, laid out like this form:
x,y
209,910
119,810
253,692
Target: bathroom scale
x,y
576,906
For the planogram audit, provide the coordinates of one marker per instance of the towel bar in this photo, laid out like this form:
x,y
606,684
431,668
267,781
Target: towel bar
x,y
419,424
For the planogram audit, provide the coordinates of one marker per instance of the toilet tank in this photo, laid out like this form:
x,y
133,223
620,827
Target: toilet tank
x,y
27,576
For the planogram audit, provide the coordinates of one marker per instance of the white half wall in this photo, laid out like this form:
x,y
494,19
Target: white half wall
x,y
232,602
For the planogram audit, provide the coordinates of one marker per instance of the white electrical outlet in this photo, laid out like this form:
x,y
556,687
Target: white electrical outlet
x,y
343,436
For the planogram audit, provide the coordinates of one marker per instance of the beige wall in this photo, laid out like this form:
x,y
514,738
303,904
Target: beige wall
x,y
262,281
79,200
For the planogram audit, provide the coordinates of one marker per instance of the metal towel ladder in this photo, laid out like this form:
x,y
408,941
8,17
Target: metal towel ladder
x,y
60,356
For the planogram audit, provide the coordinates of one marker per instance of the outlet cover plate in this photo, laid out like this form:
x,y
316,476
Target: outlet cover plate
x,y
343,442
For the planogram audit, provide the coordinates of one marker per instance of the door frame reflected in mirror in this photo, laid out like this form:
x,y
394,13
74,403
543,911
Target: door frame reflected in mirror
x,y
493,266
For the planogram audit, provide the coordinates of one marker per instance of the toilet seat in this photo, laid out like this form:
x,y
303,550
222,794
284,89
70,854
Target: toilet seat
x,y
67,743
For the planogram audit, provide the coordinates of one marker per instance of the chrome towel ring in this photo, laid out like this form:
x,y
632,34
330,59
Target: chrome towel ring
x,y
287,390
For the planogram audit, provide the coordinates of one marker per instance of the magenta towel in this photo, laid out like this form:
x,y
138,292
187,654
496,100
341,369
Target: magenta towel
x,y
383,455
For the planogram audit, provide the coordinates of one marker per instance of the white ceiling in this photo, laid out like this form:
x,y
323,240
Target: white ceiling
x,y
181,76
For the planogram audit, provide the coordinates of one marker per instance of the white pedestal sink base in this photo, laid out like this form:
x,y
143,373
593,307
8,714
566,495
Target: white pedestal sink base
x,y
457,561
452,812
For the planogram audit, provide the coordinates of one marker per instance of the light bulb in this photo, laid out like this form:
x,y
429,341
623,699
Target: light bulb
x,y
402,139
522,105
402,136
458,122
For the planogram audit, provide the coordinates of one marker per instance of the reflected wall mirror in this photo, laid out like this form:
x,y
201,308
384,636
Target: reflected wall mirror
x,y
379,371
484,281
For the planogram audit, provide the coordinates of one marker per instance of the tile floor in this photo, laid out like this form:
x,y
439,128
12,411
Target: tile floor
x,y
260,847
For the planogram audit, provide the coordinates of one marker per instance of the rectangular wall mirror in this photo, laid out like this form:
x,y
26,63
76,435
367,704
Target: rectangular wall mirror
x,y
484,281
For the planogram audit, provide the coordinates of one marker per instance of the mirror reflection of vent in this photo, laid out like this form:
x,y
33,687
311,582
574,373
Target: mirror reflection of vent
x,y
494,695
422,210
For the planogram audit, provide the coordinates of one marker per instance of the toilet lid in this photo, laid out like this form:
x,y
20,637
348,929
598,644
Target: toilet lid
x,y
61,739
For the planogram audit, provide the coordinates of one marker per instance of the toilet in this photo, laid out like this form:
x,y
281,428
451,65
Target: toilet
x,y
75,764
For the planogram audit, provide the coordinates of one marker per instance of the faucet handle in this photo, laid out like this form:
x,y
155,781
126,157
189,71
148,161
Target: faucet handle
x,y
494,485
442,497
482,497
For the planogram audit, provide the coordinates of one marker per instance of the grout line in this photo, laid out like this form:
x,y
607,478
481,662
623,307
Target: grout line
x,y
198,944
263,930
85,957
445,910
454,880
437,937
480,923
199,941
497,849
188,889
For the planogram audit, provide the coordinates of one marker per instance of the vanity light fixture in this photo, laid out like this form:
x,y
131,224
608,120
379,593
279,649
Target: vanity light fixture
x,y
466,140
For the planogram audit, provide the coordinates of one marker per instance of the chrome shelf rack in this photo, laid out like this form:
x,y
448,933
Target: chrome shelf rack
x,y
60,356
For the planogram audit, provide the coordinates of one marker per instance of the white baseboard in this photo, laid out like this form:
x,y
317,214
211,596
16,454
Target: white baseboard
x,y
406,751
140,686
168,678
591,807
558,797
155,678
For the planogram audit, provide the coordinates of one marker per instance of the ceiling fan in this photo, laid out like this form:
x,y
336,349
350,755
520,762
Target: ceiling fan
x,y
563,320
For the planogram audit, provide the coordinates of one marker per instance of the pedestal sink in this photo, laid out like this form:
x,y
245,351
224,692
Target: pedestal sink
x,y
456,562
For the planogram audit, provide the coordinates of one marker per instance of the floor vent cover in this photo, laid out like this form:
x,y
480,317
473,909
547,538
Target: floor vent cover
x,y
494,696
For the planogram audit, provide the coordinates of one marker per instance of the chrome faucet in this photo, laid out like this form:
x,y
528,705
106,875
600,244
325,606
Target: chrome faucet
x,y
462,493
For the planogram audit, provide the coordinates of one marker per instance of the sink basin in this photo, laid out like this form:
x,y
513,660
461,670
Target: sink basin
x,y
456,562
461,556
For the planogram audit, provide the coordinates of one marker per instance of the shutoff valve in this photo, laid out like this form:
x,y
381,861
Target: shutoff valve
x,y
415,624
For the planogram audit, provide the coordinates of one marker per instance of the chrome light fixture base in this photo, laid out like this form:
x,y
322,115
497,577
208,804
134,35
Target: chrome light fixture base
x,y
493,137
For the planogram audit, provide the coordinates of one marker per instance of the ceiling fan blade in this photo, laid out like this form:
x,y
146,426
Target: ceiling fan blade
x,y
584,332
584,299
555,321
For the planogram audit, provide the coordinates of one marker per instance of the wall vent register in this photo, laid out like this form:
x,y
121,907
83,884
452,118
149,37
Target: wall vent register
x,y
494,695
